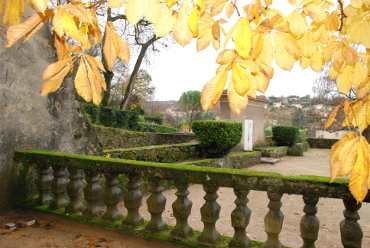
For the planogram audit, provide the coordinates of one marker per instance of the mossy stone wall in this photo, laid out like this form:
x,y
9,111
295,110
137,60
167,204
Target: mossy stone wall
x,y
321,143
273,152
112,138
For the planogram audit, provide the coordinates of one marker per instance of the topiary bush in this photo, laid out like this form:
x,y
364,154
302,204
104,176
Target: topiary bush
x,y
121,118
217,138
107,117
296,150
285,135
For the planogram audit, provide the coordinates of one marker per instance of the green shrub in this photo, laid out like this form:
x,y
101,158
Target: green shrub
x,y
296,150
302,134
133,120
285,135
160,128
268,132
121,117
217,138
157,119
107,117
92,110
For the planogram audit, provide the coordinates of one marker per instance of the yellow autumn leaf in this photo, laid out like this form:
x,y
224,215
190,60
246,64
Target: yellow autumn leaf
x,y
204,42
283,58
316,13
93,81
305,62
165,24
230,9
262,82
359,32
121,47
216,30
307,44
80,12
109,49
82,83
356,3
115,3
297,23
359,74
181,30
225,56
61,46
41,5
348,157
94,62
63,22
193,21
338,60
55,73
243,37
332,116
236,102
154,12
217,7
134,10
316,61
216,44
219,88
12,12
332,22
27,28
56,67
344,81
333,73
248,64
349,54
240,79
358,183
267,53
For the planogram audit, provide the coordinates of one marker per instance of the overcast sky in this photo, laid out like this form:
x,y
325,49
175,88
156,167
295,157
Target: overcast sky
x,y
181,69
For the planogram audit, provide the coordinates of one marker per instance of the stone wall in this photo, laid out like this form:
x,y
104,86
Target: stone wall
x,y
112,138
321,143
54,123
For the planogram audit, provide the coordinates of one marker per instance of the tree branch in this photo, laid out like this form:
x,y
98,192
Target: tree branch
x,y
342,15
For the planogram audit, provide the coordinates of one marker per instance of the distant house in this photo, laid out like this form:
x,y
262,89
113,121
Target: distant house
x,y
254,111
297,105
277,104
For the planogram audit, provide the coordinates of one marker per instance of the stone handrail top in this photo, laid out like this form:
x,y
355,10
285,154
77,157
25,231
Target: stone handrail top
x,y
223,177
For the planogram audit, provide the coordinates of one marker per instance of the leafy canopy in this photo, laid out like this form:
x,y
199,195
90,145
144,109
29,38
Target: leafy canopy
x,y
250,36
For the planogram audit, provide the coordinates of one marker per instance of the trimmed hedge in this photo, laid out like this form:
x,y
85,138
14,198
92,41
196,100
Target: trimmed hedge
x,y
109,117
296,150
157,119
217,138
159,128
285,135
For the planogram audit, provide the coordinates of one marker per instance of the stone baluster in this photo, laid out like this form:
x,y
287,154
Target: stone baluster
x,y
210,212
240,217
59,188
310,224
156,205
351,232
92,193
75,191
273,220
181,211
43,183
112,195
133,200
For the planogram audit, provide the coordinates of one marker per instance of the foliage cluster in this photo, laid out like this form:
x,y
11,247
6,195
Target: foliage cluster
x,y
285,135
296,150
159,128
217,138
268,132
109,117
157,119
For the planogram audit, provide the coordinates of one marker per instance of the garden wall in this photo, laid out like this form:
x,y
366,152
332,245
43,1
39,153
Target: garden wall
x,y
321,143
112,138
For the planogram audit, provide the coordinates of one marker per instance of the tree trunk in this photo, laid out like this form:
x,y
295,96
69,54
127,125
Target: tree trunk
x,y
131,83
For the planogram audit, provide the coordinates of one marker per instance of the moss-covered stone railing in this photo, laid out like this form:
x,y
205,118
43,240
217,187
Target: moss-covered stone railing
x,y
71,183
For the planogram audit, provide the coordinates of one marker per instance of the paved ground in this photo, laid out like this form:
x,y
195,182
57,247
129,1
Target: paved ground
x,y
56,232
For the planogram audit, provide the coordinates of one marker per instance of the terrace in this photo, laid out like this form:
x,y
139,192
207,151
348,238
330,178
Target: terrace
x,y
72,186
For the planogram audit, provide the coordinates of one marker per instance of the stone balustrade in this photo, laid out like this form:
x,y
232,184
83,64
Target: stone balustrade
x,y
87,185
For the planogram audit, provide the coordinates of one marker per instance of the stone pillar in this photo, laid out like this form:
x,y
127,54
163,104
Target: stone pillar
x,y
156,205
210,212
273,220
75,191
240,217
92,193
59,188
310,224
350,230
181,211
133,200
43,184
112,195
